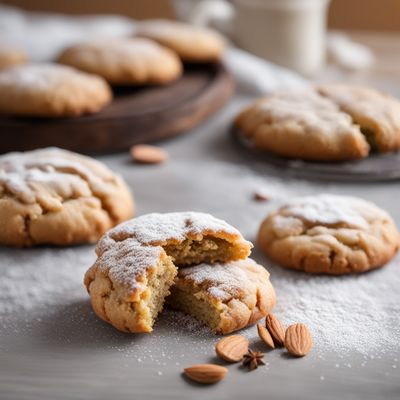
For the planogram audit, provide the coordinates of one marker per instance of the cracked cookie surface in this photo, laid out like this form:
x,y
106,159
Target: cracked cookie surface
x,y
139,259
53,196
330,122
377,113
329,234
51,90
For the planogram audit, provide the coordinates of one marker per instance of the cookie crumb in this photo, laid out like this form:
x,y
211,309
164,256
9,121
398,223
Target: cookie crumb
x,y
147,154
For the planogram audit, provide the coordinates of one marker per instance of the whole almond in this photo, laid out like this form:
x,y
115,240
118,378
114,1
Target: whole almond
x,y
206,373
265,336
298,340
276,329
232,348
260,196
143,153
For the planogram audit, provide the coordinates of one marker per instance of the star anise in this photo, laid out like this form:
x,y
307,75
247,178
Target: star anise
x,y
253,359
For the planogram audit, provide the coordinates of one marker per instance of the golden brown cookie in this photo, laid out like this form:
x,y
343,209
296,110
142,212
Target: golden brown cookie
x,y
329,234
53,196
226,297
51,90
191,43
138,260
377,113
10,56
303,125
125,61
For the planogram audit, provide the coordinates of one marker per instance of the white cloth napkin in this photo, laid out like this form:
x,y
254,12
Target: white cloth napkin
x,y
44,35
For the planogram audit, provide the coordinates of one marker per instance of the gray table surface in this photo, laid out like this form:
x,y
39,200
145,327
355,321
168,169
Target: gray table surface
x,y
52,346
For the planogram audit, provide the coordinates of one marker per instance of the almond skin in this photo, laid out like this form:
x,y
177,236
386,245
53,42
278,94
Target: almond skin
x,y
146,154
298,340
276,329
265,336
232,348
206,373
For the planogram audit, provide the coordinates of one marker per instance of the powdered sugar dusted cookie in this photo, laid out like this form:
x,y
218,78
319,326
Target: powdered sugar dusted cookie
x,y
51,90
377,113
53,196
125,61
226,297
329,234
302,124
191,43
10,56
137,263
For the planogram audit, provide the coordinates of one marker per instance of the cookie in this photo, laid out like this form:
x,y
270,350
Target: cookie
x,y
226,297
10,56
53,196
125,61
302,125
51,90
193,44
377,113
138,260
329,234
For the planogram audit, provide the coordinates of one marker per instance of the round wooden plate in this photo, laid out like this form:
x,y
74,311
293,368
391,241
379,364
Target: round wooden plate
x,y
376,167
137,115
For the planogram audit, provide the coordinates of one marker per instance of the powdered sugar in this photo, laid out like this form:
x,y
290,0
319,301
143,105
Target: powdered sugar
x,y
158,228
331,209
127,264
309,110
354,313
43,77
58,173
129,250
222,281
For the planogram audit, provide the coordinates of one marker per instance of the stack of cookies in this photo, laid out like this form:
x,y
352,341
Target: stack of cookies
x,y
79,83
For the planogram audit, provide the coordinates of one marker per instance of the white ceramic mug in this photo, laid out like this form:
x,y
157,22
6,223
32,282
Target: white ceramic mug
x,y
288,32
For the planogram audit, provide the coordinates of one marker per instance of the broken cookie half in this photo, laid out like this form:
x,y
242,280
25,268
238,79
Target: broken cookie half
x,y
141,261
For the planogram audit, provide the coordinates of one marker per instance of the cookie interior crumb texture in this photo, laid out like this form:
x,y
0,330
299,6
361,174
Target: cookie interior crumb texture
x,y
226,297
133,252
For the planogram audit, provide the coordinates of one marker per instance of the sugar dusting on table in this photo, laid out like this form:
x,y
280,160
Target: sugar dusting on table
x,y
354,317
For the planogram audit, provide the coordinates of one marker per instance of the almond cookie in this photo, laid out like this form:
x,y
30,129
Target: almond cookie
x,y
377,114
10,56
51,90
303,125
329,234
53,196
191,43
125,61
226,297
138,260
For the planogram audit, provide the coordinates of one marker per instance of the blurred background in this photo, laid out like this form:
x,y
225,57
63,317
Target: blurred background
x,y
381,15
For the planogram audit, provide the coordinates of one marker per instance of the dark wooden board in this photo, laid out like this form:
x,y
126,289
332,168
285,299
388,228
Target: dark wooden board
x,y
137,115
375,168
